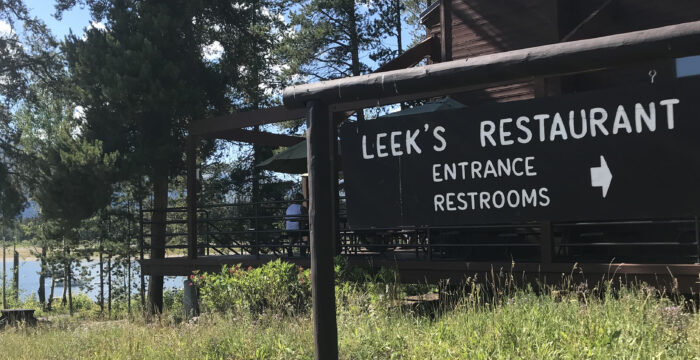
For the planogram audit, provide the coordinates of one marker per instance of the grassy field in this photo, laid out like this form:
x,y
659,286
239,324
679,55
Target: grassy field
x,y
374,323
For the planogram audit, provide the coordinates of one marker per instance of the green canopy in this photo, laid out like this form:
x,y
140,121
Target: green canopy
x,y
293,159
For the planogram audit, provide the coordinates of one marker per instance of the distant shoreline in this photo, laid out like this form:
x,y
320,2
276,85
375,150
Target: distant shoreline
x,y
25,253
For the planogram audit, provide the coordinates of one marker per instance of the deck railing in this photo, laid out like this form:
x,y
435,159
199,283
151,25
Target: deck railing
x,y
258,229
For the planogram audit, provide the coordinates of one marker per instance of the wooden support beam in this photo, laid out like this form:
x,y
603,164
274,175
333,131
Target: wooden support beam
x,y
191,159
259,137
445,30
411,56
585,21
213,126
320,145
519,65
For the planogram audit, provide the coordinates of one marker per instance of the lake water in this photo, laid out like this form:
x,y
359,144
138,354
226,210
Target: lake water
x,y
29,279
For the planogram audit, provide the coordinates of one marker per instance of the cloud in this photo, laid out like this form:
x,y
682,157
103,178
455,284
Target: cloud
x,y
93,25
97,25
12,47
5,28
213,51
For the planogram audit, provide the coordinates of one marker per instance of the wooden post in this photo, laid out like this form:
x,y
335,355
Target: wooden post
x,y
697,239
4,269
15,271
305,186
109,286
320,130
102,278
335,165
141,245
128,260
191,153
445,30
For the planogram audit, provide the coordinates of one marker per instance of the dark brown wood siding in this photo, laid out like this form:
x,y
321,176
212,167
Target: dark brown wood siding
x,y
621,16
481,27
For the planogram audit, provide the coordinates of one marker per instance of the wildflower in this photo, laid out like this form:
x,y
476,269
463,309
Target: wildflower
x,y
250,268
201,277
231,270
192,277
191,284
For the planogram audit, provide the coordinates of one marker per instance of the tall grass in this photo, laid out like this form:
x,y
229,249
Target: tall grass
x,y
499,319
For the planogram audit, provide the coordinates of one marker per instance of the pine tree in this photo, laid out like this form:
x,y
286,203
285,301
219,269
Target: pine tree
x,y
330,36
68,176
411,13
27,55
145,78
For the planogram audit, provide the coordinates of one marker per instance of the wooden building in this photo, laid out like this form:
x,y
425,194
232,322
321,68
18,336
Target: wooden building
x,y
464,29
474,28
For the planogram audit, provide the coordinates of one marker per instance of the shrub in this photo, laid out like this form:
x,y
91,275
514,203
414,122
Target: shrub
x,y
276,287
83,303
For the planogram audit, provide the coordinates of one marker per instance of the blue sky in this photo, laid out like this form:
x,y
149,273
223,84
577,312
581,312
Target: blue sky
x,y
76,20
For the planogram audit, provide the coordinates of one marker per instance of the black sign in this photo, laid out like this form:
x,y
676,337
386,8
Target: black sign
x,y
615,154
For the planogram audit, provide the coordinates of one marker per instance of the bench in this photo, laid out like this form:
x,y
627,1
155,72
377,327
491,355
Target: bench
x,y
14,316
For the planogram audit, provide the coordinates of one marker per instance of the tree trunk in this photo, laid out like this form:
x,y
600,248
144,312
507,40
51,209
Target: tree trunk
x,y
65,272
4,270
15,273
355,49
255,192
64,297
160,205
109,286
128,260
42,278
70,290
142,288
67,276
53,285
102,281
397,4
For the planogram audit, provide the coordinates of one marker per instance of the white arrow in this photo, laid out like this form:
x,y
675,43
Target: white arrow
x,y
601,176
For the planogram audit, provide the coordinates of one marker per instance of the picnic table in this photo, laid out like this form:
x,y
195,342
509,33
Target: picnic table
x,y
13,316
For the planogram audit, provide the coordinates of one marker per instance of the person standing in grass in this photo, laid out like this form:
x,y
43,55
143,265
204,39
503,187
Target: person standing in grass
x,y
295,222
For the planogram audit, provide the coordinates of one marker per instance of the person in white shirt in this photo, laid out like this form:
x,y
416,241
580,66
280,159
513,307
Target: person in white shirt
x,y
295,221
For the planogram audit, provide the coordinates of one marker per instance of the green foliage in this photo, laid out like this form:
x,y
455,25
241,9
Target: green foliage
x,y
68,175
329,38
276,287
412,9
83,303
12,200
145,78
28,57
27,53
